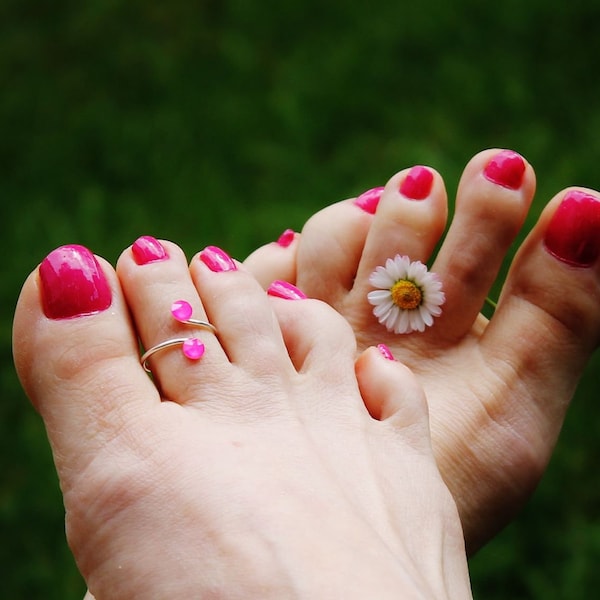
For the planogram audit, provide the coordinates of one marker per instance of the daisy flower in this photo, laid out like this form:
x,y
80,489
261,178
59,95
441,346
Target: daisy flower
x,y
407,295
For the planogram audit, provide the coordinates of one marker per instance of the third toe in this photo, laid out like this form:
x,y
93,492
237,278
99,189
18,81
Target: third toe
x,y
493,197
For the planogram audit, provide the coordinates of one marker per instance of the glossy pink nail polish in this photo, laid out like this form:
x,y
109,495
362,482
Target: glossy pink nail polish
x,y
369,200
286,238
573,234
417,184
507,169
217,260
285,290
385,351
147,249
73,284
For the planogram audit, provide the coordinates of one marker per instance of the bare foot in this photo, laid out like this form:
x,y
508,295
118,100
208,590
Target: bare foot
x,y
253,472
497,391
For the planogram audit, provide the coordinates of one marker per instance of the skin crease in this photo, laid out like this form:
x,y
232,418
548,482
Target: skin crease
x,y
254,472
496,402
503,433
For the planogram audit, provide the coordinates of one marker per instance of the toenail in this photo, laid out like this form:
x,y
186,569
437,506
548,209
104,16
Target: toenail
x,y
385,352
73,284
417,184
285,290
573,235
369,200
286,238
507,169
217,260
147,249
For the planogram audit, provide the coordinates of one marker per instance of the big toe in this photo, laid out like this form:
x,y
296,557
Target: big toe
x,y
551,301
77,356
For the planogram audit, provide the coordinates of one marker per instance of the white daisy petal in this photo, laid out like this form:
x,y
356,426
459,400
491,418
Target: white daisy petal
x,y
381,278
415,320
435,311
383,310
416,271
390,320
426,316
403,322
378,296
394,268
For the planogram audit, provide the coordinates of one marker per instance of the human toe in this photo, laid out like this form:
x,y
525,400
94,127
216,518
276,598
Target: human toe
x,y
410,219
239,307
550,301
77,355
276,260
493,197
331,247
392,393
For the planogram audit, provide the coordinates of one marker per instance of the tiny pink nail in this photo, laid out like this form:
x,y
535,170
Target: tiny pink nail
x,y
217,260
507,169
285,290
73,283
417,184
385,351
147,249
369,200
286,238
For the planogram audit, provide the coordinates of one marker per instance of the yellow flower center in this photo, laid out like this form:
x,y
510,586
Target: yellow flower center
x,y
406,295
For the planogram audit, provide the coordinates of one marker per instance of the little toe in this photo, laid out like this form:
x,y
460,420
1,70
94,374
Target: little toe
x,y
494,195
77,355
392,393
276,260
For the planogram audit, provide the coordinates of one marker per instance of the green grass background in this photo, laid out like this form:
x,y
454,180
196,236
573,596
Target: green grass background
x,y
226,121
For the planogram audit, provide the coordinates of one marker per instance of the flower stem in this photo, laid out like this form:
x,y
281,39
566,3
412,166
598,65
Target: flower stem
x,y
491,303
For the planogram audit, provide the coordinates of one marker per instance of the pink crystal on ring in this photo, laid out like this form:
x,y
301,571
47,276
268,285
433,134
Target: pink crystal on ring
x,y
193,348
181,310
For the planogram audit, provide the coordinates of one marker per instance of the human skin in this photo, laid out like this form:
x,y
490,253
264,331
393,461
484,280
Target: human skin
x,y
497,390
255,472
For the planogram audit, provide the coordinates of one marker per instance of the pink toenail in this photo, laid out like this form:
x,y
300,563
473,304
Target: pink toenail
x,y
385,351
285,290
73,283
573,234
193,348
217,260
286,238
147,249
507,169
181,310
417,184
369,200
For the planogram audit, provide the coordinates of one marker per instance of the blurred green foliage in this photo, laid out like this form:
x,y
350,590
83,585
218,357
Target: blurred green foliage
x,y
226,121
